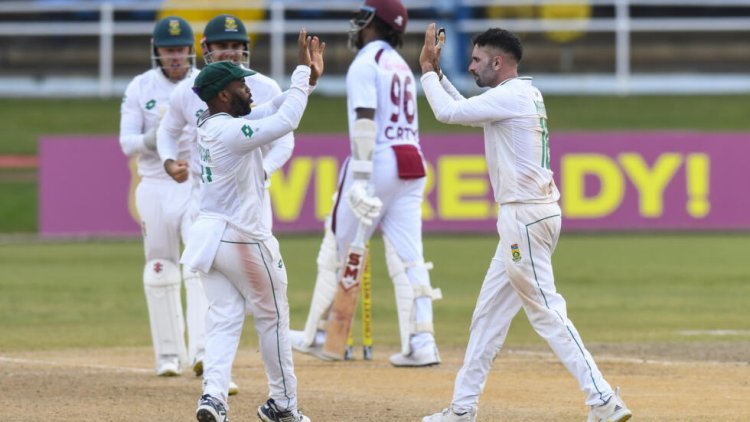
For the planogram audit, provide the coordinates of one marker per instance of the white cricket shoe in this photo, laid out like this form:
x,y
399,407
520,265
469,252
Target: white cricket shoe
x,y
299,344
168,366
233,389
614,410
448,415
424,356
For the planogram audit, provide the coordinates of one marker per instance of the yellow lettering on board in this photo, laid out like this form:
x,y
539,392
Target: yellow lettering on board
x,y
326,180
428,213
650,183
454,187
574,169
288,191
698,173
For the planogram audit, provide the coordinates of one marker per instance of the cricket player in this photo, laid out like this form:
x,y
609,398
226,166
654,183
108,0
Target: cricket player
x,y
238,256
382,188
516,142
162,203
225,38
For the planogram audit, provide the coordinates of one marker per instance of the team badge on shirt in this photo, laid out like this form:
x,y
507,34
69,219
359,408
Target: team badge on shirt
x,y
515,252
150,104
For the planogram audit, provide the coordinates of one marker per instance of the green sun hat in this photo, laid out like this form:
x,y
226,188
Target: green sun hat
x,y
216,76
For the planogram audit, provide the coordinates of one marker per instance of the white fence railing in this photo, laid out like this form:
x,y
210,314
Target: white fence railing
x,y
277,24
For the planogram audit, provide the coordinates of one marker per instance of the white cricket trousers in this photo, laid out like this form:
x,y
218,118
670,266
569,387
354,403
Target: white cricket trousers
x,y
248,277
520,275
166,215
400,221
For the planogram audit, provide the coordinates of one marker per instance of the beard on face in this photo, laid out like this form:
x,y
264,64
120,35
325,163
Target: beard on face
x,y
477,79
481,78
240,106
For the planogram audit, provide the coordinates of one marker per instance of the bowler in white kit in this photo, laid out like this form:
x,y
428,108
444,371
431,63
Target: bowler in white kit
x,y
516,141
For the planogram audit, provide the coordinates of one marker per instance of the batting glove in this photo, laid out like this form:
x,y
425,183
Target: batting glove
x,y
365,206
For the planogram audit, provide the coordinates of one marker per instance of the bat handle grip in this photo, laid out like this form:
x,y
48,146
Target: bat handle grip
x,y
359,237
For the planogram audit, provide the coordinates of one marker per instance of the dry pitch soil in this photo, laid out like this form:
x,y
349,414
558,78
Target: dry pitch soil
x,y
705,382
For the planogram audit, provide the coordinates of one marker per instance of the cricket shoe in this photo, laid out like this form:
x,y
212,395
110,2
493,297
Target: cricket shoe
x,y
168,366
448,415
424,356
299,344
211,409
198,367
269,412
614,410
233,389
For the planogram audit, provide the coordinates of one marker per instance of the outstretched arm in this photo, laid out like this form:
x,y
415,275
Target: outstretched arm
x,y
289,114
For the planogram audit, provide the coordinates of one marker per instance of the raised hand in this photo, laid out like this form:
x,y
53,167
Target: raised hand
x,y
317,48
303,54
429,58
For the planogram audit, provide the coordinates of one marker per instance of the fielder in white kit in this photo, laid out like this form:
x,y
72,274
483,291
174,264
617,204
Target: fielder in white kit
x,y
238,256
516,141
382,183
225,39
163,204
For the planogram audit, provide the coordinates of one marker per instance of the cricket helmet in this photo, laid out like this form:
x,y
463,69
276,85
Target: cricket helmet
x,y
391,12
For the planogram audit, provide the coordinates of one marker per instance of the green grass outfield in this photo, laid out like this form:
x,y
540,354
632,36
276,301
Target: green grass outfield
x,y
24,121
620,289
642,288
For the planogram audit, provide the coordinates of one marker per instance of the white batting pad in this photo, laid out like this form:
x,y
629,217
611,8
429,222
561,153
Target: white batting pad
x,y
325,286
161,281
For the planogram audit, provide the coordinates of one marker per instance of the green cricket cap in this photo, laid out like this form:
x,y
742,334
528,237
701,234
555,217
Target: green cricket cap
x,y
173,31
215,76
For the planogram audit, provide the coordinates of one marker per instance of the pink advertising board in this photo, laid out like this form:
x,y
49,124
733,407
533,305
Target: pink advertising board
x,y
608,180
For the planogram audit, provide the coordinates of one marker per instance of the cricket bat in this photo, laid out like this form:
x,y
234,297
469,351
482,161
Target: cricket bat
x,y
345,302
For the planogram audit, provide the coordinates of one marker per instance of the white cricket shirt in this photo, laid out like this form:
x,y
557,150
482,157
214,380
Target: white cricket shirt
x,y
232,176
185,107
379,68
516,139
146,100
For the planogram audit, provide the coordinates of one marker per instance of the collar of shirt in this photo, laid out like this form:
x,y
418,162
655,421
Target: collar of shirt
x,y
375,44
525,79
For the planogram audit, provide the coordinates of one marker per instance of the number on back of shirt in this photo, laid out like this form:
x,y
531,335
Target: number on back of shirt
x,y
402,99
